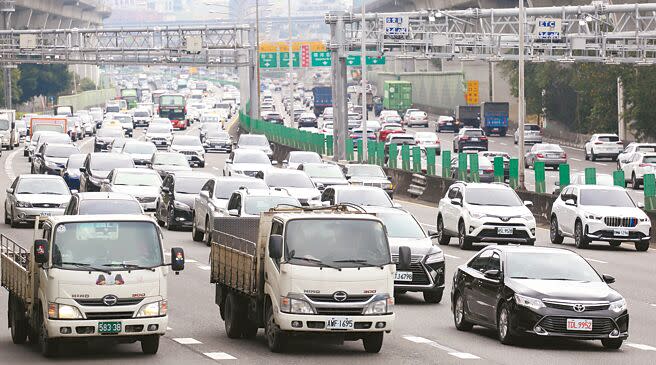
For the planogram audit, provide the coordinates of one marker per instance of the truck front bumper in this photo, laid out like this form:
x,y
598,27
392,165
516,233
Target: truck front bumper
x,y
81,328
318,323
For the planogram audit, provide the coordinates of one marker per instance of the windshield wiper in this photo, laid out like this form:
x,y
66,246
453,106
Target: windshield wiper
x,y
364,263
86,266
318,262
51,193
130,266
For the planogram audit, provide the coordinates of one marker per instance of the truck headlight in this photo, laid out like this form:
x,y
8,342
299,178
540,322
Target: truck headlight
x,y
528,302
21,204
155,309
380,306
434,255
63,311
294,305
618,306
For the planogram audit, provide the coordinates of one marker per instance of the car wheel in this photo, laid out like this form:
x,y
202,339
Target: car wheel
x,y
554,235
612,343
642,246
276,339
207,233
503,325
580,239
593,157
12,222
442,238
196,235
433,296
634,182
585,153
615,243
170,220
7,220
160,222
459,318
150,344
373,342
464,242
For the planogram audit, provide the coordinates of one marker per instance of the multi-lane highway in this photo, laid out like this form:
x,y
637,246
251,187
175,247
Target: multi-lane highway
x,y
423,333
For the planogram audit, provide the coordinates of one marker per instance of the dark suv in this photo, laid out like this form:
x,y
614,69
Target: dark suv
x,y
470,139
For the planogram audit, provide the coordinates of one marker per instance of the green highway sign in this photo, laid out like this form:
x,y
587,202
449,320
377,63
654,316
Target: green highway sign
x,y
352,60
268,60
284,59
321,59
370,60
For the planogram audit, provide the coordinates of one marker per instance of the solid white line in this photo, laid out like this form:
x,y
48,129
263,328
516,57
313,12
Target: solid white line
x,y
575,159
202,267
9,167
169,329
503,143
594,260
451,256
416,339
190,260
219,356
187,341
464,355
641,346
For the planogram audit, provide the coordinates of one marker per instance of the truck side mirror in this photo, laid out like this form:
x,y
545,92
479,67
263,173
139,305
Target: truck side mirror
x,y
404,258
40,251
177,259
83,169
275,246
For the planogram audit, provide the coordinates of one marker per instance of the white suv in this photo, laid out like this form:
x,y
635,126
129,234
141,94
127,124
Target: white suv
x,y
637,165
476,212
603,146
599,213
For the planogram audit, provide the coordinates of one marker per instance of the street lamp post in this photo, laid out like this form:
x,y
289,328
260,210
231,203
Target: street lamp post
x,y
522,107
291,65
363,78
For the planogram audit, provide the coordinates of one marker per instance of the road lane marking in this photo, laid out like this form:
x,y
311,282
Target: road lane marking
x,y
595,260
9,165
169,329
416,339
451,256
503,143
641,346
575,159
448,350
653,305
203,267
600,164
219,356
190,260
464,355
187,341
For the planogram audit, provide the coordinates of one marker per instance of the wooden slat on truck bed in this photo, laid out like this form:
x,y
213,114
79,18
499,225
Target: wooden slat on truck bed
x,y
233,254
14,268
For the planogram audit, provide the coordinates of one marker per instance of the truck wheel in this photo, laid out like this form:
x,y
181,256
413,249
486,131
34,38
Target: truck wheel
x,y
433,296
150,344
276,339
48,346
17,321
373,342
249,329
196,235
233,317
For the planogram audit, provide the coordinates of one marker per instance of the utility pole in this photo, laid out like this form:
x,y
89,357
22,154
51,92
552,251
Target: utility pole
x,y
364,154
621,128
338,57
291,65
7,8
257,54
522,107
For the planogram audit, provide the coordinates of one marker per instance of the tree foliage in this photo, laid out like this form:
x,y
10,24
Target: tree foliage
x,y
15,89
87,84
47,80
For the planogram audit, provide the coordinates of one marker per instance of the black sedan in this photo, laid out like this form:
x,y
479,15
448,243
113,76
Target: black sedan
x,y
538,291
176,201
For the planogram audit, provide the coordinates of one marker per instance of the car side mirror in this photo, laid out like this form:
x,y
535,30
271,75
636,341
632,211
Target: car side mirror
x,y
165,189
177,259
275,246
41,251
204,194
10,190
570,202
233,212
640,205
492,274
404,258
274,163
228,162
456,201
321,186
528,203
285,162
83,169
608,279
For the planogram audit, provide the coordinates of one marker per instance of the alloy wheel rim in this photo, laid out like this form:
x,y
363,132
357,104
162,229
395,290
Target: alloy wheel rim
x,y
553,229
440,227
503,323
459,310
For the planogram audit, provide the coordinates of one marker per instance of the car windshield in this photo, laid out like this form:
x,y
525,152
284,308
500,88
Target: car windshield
x,y
373,197
186,141
137,179
110,162
225,188
109,206
260,158
140,148
606,197
108,245
175,159
258,204
110,132
323,170
75,161
158,128
609,138
304,157
60,151
253,140
313,242
487,196
288,180
474,133
366,171
42,186
549,266
189,185
141,114
531,127
401,225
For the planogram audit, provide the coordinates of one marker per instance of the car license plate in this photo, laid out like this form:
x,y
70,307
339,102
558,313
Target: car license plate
x,y
160,142
45,214
339,323
552,156
403,276
109,327
620,232
505,230
474,139
574,324
449,124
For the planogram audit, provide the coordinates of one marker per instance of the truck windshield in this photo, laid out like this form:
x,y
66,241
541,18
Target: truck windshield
x,y
4,125
336,242
109,244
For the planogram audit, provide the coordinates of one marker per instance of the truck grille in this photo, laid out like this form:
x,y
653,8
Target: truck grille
x,y
99,302
621,221
600,326
339,311
109,315
328,298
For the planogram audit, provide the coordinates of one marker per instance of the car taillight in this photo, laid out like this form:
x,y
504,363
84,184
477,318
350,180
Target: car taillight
x,y
563,155
488,170
620,142
483,138
599,143
539,155
464,138
645,165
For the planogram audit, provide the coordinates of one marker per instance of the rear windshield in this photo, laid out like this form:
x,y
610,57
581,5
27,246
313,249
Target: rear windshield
x,y
474,133
646,149
531,127
649,159
609,138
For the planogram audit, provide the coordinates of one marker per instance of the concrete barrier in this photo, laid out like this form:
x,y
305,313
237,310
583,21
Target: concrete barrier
x,y
87,99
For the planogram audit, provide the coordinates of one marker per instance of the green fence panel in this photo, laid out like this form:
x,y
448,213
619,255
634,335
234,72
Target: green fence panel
x,y
446,164
371,151
590,176
431,152
563,176
462,166
650,192
474,175
405,157
540,178
498,169
329,145
393,155
513,172
618,178
380,149
349,149
416,159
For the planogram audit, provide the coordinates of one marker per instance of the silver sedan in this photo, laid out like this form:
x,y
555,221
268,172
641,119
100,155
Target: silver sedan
x,y
32,196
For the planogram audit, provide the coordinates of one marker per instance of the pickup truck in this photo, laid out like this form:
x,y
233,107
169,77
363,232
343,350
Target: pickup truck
x,y
298,272
86,278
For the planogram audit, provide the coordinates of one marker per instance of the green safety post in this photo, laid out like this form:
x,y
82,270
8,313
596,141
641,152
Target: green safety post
x,y
430,160
473,168
462,166
540,179
563,175
349,149
360,151
393,155
329,145
650,192
446,164
498,169
381,153
371,152
416,159
405,157
590,176
514,173
618,178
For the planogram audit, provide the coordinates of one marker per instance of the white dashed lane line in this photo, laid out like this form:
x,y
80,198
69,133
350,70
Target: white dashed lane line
x,y
219,356
451,256
203,267
575,159
448,350
9,167
641,346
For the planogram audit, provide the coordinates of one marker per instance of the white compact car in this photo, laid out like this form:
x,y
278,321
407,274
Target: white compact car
x,y
599,213
605,145
636,166
478,212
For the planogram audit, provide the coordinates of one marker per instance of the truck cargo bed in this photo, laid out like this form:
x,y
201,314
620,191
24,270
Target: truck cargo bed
x,y
14,268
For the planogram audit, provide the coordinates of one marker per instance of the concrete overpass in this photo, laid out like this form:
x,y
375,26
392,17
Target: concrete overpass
x,y
410,5
54,14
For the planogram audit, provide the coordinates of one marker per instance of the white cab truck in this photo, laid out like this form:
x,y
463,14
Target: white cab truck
x,y
8,132
322,272
95,277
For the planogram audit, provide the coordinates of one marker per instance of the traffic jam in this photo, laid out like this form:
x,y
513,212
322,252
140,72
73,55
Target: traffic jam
x,y
117,216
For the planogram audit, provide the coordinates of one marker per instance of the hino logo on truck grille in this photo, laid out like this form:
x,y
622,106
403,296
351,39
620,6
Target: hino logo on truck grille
x,y
110,300
340,296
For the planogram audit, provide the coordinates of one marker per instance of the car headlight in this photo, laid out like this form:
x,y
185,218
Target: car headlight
x,y
21,204
180,205
386,186
477,215
63,205
238,172
294,305
379,306
63,311
592,216
434,255
618,306
155,309
528,302
528,217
